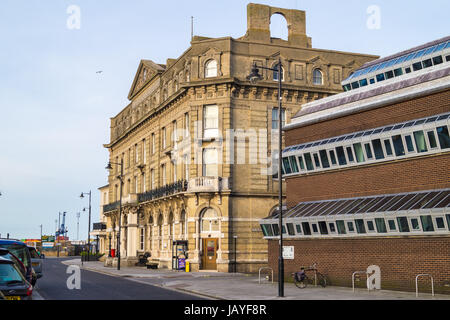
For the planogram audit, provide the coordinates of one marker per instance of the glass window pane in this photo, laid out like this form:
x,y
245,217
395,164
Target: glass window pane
x,y
381,226
302,164
444,138
368,151
346,205
333,157
290,228
332,227
411,202
444,203
390,203
360,228
350,226
387,146
432,139
398,72
350,154
293,163
409,143
308,160
377,149
427,223
423,201
306,228
380,77
447,216
398,145
332,207
415,224
427,63
440,223
370,225
276,230
359,153
401,202
316,160
436,200
341,156
287,166
323,227
417,66
340,227
437,60
314,228
392,226
403,224
359,205
267,230
324,158
380,203
298,228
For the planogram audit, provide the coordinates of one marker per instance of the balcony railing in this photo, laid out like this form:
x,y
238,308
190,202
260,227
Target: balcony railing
x,y
99,226
208,184
167,190
111,206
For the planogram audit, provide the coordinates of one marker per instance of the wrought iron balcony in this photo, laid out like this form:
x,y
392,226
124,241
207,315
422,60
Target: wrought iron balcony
x,y
99,226
111,206
170,189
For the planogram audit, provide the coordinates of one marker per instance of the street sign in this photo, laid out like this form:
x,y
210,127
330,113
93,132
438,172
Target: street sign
x,y
288,252
47,244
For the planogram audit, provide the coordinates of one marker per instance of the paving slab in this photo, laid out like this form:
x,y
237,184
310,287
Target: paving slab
x,y
240,286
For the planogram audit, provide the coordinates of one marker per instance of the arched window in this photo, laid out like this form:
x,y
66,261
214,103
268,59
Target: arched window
x,y
211,69
183,223
170,231
209,220
317,77
160,230
278,26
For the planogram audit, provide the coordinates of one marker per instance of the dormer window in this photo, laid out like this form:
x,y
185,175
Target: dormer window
x,y
317,77
211,69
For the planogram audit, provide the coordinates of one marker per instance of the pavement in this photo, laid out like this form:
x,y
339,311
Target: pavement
x,y
239,286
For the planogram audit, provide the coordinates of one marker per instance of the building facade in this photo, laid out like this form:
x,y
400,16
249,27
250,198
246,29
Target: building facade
x,y
367,174
195,144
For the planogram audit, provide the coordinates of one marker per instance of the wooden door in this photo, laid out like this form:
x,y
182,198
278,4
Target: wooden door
x,y
209,254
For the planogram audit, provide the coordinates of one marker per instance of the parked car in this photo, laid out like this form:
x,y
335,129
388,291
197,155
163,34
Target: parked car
x,y
36,262
6,253
20,250
13,284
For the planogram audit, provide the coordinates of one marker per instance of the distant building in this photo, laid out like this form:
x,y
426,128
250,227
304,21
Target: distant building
x,y
368,174
196,143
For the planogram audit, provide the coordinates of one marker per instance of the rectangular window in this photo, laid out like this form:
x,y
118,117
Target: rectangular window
x,y
340,227
136,153
380,77
275,119
333,157
287,166
389,74
314,227
403,224
415,224
350,226
440,223
444,138
370,225
266,230
210,121
186,124
276,229
293,163
409,143
381,226
432,139
419,138
306,229
316,160
324,158
298,228
392,226
427,223
360,228
417,66
163,175
427,63
163,138
302,165
398,145
323,227
341,156
437,60
447,216
377,149
368,151
350,154
308,160
359,153
332,227
398,72
210,162
387,146
290,228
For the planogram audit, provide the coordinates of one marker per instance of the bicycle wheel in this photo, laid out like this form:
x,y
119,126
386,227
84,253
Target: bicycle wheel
x,y
301,284
321,280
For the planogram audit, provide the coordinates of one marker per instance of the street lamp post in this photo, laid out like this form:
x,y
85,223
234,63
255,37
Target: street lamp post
x,y
255,77
109,237
109,167
89,227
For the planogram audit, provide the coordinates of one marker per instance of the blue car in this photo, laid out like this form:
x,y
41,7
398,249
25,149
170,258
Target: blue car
x,y
20,250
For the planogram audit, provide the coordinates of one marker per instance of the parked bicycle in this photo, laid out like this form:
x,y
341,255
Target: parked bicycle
x,y
309,276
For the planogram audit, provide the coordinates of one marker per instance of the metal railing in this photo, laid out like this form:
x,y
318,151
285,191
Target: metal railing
x,y
264,268
111,206
353,279
179,186
432,283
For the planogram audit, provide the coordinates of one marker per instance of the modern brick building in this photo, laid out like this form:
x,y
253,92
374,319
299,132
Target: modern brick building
x,y
196,144
368,174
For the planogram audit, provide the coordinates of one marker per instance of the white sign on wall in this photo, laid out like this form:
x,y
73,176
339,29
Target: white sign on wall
x,y
288,252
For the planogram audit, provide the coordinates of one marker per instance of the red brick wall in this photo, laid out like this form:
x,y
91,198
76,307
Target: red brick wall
x,y
413,174
413,109
399,258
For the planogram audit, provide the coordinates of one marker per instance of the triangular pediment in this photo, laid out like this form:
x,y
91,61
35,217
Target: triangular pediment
x,y
318,60
146,71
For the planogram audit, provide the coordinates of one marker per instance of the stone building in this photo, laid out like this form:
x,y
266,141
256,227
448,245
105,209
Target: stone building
x,y
196,143
368,178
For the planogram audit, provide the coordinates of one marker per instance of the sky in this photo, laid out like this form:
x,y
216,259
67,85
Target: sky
x,y
55,108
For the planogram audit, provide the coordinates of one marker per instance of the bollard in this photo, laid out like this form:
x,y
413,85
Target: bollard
x,y
187,266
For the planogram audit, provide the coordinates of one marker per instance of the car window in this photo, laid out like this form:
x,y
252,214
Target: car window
x,y
16,261
9,273
20,252
34,254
